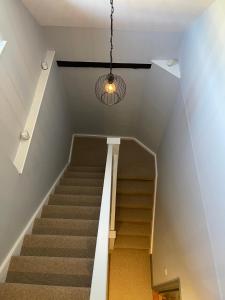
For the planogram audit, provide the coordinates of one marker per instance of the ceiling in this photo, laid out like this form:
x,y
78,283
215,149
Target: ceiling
x,y
141,15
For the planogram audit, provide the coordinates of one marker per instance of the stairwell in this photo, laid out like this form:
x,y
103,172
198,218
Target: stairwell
x,y
130,276
56,260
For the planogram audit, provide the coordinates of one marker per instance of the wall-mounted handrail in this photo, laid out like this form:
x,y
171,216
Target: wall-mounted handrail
x,y
99,285
28,130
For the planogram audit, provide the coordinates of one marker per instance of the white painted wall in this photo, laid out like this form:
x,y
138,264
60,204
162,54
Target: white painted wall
x,y
90,44
19,70
150,95
190,227
20,195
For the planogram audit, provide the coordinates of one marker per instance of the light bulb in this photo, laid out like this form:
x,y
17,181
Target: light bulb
x,y
110,88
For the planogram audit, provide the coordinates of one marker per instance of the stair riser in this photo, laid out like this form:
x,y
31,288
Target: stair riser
x,y
15,291
49,279
132,187
83,213
82,182
49,252
65,231
86,169
73,190
65,227
88,175
71,202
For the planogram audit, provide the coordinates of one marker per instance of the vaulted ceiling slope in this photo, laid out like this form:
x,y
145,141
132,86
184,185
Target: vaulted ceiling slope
x,y
143,15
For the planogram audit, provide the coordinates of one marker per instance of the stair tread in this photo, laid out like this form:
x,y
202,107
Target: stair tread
x,y
134,201
70,212
15,291
50,271
58,246
133,229
75,200
132,242
133,215
65,227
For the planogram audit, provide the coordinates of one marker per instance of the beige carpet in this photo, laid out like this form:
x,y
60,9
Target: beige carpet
x,y
56,260
129,275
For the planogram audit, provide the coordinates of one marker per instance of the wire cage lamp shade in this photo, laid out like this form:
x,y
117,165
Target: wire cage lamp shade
x,y
110,91
110,88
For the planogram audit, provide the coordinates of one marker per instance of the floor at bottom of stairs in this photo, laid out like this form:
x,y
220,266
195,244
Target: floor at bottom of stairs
x,y
130,275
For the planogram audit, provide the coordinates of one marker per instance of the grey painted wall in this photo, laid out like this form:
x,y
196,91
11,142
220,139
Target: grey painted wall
x,y
91,44
19,70
150,95
190,222
20,195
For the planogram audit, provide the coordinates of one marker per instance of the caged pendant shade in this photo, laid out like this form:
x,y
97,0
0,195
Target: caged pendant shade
x,y
110,88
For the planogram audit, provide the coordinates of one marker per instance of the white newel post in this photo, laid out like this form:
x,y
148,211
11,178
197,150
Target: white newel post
x,y
116,145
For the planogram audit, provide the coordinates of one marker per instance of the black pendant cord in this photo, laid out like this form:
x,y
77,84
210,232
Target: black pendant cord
x,y
111,37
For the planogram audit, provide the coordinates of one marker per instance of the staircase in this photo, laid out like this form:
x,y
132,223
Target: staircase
x,y
130,261
133,215
56,260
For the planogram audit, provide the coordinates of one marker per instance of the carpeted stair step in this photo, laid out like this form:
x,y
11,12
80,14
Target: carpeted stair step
x,y
133,229
18,291
77,174
65,227
50,271
132,242
133,215
70,212
59,246
82,182
78,190
136,187
75,200
89,169
134,201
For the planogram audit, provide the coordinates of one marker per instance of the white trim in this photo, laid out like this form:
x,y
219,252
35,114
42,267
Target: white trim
x,y
99,284
156,174
113,141
2,45
154,205
31,121
71,149
15,250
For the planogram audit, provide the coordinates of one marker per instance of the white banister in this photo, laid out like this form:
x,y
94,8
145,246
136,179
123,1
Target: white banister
x,y
99,285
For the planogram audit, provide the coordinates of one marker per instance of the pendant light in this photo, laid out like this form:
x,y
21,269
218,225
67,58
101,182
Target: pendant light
x,y
110,88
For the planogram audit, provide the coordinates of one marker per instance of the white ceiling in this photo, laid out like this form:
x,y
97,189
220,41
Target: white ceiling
x,y
141,15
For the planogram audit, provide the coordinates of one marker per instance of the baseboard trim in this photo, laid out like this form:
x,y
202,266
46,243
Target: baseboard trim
x,y
15,250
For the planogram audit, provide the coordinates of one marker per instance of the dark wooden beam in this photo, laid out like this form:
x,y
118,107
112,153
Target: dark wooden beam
x,y
83,64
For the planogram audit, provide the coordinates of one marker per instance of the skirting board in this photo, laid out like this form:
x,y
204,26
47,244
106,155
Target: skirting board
x,y
15,250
